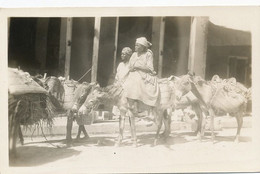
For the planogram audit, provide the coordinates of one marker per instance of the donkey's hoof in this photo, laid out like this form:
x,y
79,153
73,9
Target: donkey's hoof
x,y
135,144
117,144
155,142
86,137
236,140
199,137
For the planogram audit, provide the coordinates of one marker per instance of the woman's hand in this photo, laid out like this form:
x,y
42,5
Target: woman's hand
x,y
132,69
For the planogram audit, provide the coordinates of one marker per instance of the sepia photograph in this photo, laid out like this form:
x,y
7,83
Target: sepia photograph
x,y
130,90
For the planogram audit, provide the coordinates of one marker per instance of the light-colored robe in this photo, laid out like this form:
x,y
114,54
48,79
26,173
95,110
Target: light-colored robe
x,y
142,85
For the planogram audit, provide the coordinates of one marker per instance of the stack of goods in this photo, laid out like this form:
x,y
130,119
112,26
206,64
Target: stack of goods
x,y
69,88
229,95
28,101
166,92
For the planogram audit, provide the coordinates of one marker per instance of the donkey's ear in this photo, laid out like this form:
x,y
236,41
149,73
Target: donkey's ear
x,y
172,77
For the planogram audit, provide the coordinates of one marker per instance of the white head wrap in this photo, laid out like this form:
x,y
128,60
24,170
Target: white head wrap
x,y
143,41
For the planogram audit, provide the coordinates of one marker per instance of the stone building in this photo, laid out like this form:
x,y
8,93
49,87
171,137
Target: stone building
x,y
71,46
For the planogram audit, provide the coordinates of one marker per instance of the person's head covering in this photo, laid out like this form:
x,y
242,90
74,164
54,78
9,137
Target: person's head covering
x,y
143,41
127,50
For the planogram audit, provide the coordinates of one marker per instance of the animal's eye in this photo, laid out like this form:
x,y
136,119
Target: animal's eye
x,y
185,83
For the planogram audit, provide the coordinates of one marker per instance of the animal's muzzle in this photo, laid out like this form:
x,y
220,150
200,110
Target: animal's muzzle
x,y
178,94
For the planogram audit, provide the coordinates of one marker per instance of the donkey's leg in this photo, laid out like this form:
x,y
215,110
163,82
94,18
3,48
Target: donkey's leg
x,y
132,113
212,116
69,127
159,119
239,118
86,136
12,135
198,112
133,129
20,134
79,132
121,129
14,123
167,122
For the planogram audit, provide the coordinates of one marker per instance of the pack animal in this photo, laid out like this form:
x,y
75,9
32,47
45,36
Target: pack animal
x,y
115,94
218,96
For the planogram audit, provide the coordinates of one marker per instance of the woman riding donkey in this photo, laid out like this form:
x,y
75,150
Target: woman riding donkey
x,y
141,83
137,90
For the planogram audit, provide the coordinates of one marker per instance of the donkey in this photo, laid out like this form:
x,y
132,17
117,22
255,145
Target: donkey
x,y
116,94
80,94
218,96
68,95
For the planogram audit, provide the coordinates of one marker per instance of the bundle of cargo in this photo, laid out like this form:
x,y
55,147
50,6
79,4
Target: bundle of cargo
x,y
69,89
228,95
55,88
28,104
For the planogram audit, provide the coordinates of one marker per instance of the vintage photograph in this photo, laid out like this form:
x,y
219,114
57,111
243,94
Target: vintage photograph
x,y
119,91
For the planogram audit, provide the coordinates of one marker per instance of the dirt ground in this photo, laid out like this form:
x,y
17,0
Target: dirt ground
x,y
181,153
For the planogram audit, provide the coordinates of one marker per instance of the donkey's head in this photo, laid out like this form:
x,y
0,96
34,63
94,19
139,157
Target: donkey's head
x,y
182,85
81,93
92,101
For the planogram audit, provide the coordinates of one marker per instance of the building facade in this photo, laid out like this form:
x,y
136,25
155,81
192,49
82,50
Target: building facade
x,y
70,47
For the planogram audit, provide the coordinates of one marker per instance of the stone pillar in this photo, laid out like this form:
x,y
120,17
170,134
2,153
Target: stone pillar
x,y
68,47
158,30
115,50
198,45
62,50
95,49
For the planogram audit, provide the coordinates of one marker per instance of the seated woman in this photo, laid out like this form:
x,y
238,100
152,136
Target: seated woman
x,y
141,83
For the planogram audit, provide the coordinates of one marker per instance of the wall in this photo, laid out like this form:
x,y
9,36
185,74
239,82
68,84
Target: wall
x,y
217,59
21,48
106,51
81,48
176,46
53,43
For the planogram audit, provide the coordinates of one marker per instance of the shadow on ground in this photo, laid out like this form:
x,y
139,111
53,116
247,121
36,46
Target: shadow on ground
x,y
42,152
28,156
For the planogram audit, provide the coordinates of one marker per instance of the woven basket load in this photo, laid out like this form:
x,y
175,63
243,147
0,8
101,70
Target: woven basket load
x,y
166,93
205,92
69,87
20,82
227,101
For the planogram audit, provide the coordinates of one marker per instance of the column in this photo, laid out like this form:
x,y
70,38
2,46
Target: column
x,y
116,40
158,30
95,49
62,50
68,47
198,45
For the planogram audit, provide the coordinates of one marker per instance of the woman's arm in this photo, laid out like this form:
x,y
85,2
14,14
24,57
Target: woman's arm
x,y
147,65
149,60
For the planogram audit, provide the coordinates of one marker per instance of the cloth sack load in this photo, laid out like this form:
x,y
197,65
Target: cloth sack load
x,y
228,102
69,89
166,92
20,82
